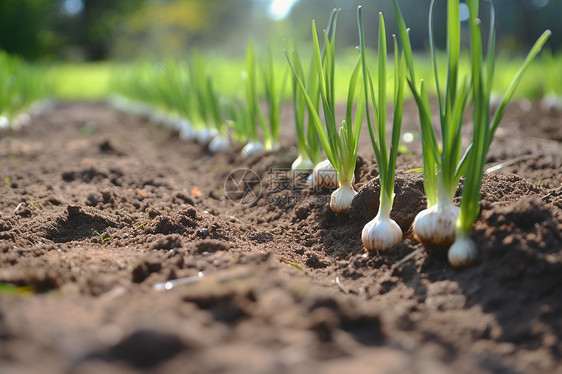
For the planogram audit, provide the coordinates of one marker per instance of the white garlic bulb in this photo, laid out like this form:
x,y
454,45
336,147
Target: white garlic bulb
x,y
341,199
187,132
435,226
252,148
463,252
381,233
205,135
324,176
219,143
4,123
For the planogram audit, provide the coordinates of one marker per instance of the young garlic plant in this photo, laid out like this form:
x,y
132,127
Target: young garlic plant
x,y
187,106
340,144
308,141
464,252
274,93
186,131
21,88
194,97
255,115
204,121
443,224
435,226
220,141
253,147
238,119
169,91
183,99
174,90
382,233
270,126
302,163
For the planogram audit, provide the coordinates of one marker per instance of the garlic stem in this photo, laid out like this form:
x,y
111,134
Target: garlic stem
x,y
302,163
271,146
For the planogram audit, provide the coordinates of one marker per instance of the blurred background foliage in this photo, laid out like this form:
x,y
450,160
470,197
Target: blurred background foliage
x,y
94,30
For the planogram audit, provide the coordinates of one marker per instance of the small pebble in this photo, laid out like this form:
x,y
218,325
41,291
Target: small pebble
x,y
203,233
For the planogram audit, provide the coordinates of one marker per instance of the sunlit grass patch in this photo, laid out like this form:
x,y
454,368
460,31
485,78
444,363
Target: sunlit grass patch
x,y
82,81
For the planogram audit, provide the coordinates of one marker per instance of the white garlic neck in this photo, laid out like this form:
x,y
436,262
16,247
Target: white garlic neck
x,y
302,163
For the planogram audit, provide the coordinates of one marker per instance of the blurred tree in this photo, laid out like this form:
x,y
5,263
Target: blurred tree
x,y
24,27
171,27
92,30
100,29
520,22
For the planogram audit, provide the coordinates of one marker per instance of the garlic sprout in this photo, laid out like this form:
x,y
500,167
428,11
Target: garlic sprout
x,y
308,141
274,92
464,252
340,144
271,126
21,87
443,224
382,233
442,168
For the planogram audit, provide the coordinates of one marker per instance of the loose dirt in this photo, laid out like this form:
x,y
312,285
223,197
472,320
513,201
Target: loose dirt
x,y
97,208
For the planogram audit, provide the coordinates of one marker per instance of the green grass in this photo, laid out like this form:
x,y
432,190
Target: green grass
x,y
83,81
21,85
91,81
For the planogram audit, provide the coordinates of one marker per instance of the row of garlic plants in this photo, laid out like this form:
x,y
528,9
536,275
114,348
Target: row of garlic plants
x,y
187,100
23,91
442,224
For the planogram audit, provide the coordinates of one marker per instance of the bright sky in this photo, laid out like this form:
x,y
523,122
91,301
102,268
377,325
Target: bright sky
x,y
279,9
73,7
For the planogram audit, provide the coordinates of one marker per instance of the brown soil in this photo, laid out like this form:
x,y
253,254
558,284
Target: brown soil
x,y
285,285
